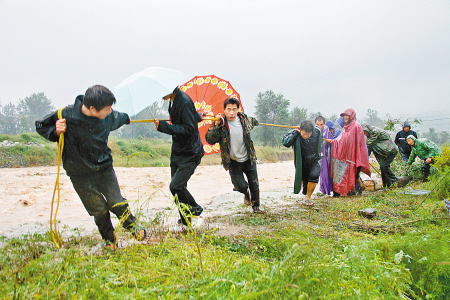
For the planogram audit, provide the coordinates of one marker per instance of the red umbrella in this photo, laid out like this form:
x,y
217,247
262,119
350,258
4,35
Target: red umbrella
x,y
208,94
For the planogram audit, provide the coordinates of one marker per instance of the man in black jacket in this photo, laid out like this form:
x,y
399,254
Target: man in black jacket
x,y
87,158
187,149
400,140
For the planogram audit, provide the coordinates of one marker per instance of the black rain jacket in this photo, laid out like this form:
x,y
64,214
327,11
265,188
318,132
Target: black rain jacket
x,y
86,148
186,143
400,139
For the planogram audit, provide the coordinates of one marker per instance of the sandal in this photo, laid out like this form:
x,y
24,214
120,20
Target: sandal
x,y
307,202
110,246
136,230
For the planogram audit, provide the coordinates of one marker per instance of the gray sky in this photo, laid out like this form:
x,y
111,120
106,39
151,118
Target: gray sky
x,y
390,56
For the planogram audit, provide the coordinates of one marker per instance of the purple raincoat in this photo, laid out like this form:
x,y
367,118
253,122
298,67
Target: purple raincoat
x,y
326,185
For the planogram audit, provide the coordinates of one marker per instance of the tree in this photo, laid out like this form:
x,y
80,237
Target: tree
x,y
271,108
158,110
432,135
372,118
32,108
297,116
9,119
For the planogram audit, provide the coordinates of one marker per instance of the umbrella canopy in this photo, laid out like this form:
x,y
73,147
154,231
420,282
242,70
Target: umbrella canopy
x,y
144,88
208,94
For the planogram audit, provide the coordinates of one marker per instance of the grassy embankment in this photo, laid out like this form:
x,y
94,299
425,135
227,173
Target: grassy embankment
x,y
292,252
126,152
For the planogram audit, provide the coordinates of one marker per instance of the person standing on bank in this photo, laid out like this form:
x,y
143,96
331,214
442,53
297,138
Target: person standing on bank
x,y
400,140
307,142
187,149
237,150
87,158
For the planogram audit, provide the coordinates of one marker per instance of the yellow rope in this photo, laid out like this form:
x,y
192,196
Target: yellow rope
x,y
53,230
212,119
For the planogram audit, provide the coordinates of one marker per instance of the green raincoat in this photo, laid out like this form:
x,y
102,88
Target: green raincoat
x,y
379,142
292,138
423,148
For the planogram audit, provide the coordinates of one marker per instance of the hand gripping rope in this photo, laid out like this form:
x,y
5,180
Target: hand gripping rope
x,y
53,230
212,119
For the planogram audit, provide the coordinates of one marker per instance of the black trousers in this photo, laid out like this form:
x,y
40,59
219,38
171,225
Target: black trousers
x,y
387,176
237,171
405,156
181,172
100,194
310,173
426,169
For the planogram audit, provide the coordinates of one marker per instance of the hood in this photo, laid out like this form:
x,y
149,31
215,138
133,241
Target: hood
x,y
406,124
351,113
367,127
330,124
411,137
340,122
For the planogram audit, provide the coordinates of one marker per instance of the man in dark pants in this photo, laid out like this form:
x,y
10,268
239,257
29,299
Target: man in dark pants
x,y
385,151
187,149
237,150
87,158
307,142
400,140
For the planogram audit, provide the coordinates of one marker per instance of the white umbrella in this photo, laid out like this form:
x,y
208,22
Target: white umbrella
x,y
144,88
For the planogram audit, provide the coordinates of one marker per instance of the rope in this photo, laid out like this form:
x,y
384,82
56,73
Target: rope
x,y
213,119
53,230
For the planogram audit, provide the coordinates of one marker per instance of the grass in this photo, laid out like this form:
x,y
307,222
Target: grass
x,y
126,152
292,252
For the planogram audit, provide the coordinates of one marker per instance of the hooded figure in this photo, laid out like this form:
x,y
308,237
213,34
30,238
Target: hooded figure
x,y
385,151
348,155
425,150
333,129
400,140
187,149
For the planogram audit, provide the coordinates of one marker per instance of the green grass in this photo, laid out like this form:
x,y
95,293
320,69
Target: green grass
x,y
126,152
290,253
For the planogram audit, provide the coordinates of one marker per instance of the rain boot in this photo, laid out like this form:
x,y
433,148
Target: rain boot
x,y
247,200
255,203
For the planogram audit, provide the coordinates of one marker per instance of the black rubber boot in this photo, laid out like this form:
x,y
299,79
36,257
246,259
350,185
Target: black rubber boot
x,y
247,198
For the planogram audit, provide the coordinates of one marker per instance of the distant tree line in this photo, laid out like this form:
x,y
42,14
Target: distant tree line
x,y
271,108
15,119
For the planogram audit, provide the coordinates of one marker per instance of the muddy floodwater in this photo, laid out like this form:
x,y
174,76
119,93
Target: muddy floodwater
x,y
27,194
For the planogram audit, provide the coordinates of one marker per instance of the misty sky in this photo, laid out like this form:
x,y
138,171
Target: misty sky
x,y
391,56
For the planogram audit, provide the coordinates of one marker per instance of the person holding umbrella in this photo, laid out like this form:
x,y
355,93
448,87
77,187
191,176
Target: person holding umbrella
x,y
237,150
187,150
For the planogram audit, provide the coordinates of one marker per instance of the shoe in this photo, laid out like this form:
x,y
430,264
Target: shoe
x,y
258,210
361,189
110,246
351,194
247,200
136,232
307,202
255,203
